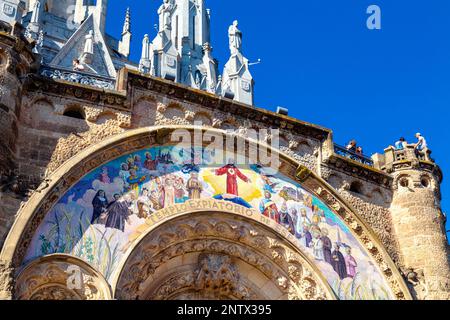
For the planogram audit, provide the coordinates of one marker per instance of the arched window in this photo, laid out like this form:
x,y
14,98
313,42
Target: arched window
x,y
74,112
356,187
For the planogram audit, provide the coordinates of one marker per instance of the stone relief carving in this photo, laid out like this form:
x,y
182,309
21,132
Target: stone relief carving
x,y
222,238
50,279
416,282
216,274
361,232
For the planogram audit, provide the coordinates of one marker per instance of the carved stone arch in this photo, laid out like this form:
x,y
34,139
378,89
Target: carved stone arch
x,y
216,255
33,212
284,141
402,181
427,181
74,110
357,187
304,147
61,277
105,116
174,112
146,98
40,99
204,118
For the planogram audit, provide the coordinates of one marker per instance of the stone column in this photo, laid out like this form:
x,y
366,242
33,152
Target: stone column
x,y
419,227
6,281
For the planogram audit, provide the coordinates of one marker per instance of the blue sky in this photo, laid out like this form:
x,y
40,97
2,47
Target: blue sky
x,y
320,61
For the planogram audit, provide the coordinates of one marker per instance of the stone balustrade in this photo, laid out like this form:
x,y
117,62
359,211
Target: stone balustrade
x,y
78,77
342,151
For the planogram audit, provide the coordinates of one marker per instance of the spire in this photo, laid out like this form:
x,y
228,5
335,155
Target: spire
x,y
100,14
125,42
211,68
145,62
81,11
127,24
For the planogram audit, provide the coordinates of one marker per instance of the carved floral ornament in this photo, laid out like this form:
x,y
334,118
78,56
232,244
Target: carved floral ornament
x,y
93,157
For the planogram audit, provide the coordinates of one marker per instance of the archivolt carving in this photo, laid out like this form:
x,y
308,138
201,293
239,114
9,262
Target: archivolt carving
x,y
34,211
223,237
61,277
362,233
215,277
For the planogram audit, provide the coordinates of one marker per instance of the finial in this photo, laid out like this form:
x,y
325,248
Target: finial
x,y
127,24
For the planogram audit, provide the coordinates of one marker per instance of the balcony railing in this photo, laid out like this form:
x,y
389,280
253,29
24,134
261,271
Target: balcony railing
x,y
342,151
410,153
78,77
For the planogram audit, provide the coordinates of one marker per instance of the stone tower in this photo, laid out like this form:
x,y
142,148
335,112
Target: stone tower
x,y
16,60
419,222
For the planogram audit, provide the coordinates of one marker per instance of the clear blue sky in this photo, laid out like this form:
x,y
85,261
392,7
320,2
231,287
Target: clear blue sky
x,y
321,62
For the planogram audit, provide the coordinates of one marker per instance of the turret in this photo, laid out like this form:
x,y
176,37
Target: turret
x,y
125,42
418,219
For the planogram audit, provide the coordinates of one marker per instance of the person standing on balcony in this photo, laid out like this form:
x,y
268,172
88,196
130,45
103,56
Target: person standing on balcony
x,y
421,146
359,151
351,146
401,144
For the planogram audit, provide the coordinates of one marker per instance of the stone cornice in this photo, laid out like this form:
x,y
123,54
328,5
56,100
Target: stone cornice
x,y
359,170
427,166
181,92
128,79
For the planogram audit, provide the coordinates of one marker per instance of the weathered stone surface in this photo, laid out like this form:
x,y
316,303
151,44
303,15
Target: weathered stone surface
x,y
37,139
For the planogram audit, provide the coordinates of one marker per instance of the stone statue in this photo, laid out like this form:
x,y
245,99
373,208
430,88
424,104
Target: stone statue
x,y
235,38
88,52
89,44
165,15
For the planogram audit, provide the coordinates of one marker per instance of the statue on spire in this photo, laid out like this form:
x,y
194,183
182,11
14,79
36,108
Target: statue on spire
x,y
235,36
165,15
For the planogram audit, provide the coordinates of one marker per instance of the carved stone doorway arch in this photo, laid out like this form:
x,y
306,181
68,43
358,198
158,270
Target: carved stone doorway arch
x,y
32,214
61,277
219,255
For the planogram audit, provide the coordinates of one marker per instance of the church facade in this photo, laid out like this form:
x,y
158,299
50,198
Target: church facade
x,y
160,180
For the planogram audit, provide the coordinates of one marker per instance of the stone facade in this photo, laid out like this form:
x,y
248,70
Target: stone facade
x,y
55,131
